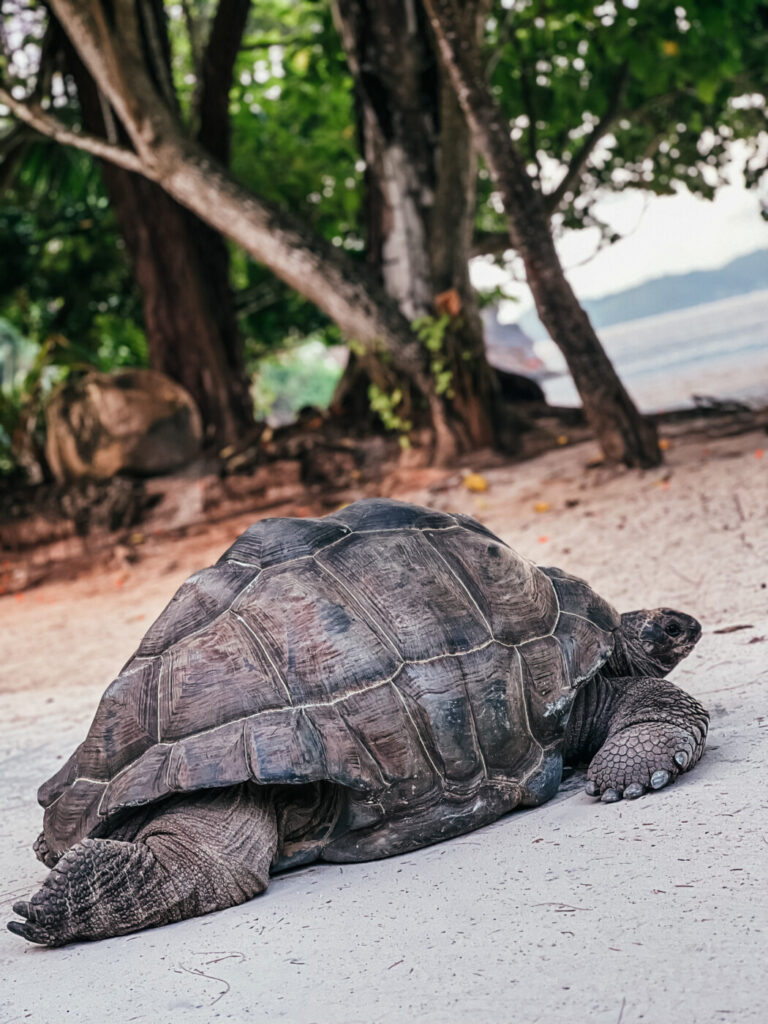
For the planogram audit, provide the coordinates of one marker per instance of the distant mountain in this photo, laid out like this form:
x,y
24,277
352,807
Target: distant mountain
x,y
677,291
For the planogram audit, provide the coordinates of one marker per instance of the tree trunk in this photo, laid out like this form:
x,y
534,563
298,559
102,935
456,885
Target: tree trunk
x,y
624,435
188,316
420,180
182,271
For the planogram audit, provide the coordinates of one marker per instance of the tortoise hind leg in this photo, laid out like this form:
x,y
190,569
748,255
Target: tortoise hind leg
x,y
200,853
643,733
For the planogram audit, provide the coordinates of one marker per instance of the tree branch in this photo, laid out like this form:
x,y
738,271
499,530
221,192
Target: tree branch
x,y
530,107
157,48
194,34
579,159
35,117
490,243
216,69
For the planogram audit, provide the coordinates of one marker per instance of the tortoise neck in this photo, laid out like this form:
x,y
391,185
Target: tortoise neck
x,y
628,658
620,662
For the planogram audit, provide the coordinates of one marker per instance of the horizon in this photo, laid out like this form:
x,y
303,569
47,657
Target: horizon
x,y
662,236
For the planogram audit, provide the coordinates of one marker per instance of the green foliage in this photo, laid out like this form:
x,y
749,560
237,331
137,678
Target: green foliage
x,y
22,395
670,72
63,268
293,122
67,295
385,405
431,332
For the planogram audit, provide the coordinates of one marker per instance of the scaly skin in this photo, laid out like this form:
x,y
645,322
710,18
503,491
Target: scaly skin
x,y
192,856
638,733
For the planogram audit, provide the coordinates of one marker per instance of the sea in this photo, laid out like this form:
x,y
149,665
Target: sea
x,y
718,350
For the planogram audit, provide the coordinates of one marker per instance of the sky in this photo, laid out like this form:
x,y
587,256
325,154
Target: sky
x,y
662,235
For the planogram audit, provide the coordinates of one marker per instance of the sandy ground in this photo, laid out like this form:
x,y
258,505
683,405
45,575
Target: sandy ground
x,y
649,911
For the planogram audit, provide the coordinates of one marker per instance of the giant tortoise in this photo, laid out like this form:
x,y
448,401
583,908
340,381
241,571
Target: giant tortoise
x,y
342,689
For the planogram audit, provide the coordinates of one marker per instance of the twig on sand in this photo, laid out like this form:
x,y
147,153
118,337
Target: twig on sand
x,y
211,977
561,908
223,956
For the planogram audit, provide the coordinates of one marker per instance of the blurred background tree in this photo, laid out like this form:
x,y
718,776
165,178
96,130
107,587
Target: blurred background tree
x,y
599,97
627,95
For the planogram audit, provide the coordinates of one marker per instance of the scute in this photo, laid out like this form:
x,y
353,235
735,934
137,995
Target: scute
x,y
198,600
385,514
418,604
219,675
318,646
125,724
578,598
276,541
515,601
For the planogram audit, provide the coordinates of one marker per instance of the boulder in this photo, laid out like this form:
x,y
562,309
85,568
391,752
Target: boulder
x,y
137,422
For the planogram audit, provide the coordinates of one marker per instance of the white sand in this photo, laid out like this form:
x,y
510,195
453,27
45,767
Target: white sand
x,y
650,911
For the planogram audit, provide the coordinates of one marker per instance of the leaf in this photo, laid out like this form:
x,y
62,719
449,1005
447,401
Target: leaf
x,y
706,90
475,482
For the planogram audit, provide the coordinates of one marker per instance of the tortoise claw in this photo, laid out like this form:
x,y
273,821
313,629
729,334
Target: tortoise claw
x,y
659,779
592,788
634,790
33,928
681,759
31,933
610,796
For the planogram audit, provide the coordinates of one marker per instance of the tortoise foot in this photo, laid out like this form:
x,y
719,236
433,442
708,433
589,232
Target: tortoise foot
x,y
81,895
641,758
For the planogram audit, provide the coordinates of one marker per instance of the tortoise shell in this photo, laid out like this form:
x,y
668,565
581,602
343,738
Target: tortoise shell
x,y
407,655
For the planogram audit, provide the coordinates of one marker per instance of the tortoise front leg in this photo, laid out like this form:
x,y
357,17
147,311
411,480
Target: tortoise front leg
x,y
40,846
637,733
196,854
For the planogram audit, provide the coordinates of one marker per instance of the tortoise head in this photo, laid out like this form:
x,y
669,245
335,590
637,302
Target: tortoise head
x,y
655,641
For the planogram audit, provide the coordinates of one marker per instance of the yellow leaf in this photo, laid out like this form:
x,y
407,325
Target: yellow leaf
x,y
562,439
301,60
475,482
670,48
664,444
541,506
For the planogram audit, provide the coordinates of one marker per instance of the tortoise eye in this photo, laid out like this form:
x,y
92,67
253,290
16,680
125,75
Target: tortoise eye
x,y
674,629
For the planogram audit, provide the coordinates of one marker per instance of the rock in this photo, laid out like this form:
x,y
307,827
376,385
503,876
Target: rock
x,y
137,422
